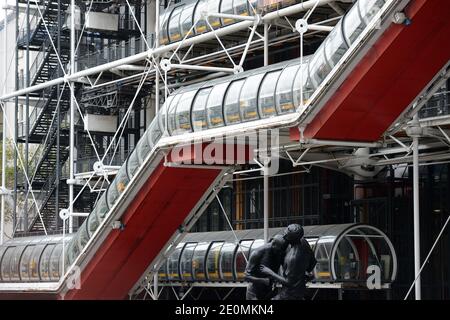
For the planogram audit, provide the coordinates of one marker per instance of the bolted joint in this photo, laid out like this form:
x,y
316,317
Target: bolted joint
x,y
238,69
64,214
301,25
165,65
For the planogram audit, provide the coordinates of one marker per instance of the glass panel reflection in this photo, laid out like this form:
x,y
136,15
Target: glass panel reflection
x,y
284,98
186,261
249,97
214,111
231,105
212,262
266,102
199,110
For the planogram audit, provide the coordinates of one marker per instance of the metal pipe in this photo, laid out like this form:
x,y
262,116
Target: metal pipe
x,y
415,131
202,68
157,75
266,202
27,118
316,27
2,213
72,115
266,44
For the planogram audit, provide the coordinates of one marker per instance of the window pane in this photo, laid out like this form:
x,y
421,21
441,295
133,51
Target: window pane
x,y
55,263
335,45
163,112
183,119
353,24
164,18
267,93
242,255
15,260
214,106
212,262
227,7
249,97
227,261
44,264
154,131
201,25
34,262
319,67
214,7
240,7
172,112
231,105
284,96
370,8
173,261
174,24
198,261
186,261
186,19
25,263
302,77
199,110
6,264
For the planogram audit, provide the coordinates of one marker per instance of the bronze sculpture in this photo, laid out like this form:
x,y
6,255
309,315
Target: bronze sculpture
x,y
298,263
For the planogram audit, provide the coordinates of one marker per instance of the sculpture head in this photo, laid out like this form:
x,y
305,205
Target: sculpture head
x,y
278,244
293,233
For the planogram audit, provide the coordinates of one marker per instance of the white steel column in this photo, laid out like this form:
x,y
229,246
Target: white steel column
x,y
416,216
266,43
72,115
2,218
156,58
415,131
266,201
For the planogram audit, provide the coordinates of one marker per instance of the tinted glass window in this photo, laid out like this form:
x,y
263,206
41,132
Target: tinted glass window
x,y
249,97
199,110
266,101
231,105
212,263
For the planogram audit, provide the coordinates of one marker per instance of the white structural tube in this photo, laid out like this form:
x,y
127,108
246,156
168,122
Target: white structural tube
x,y
2,213
72,116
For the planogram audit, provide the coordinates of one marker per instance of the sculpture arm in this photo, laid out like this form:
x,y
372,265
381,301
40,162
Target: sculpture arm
x,y
275,276
252,266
